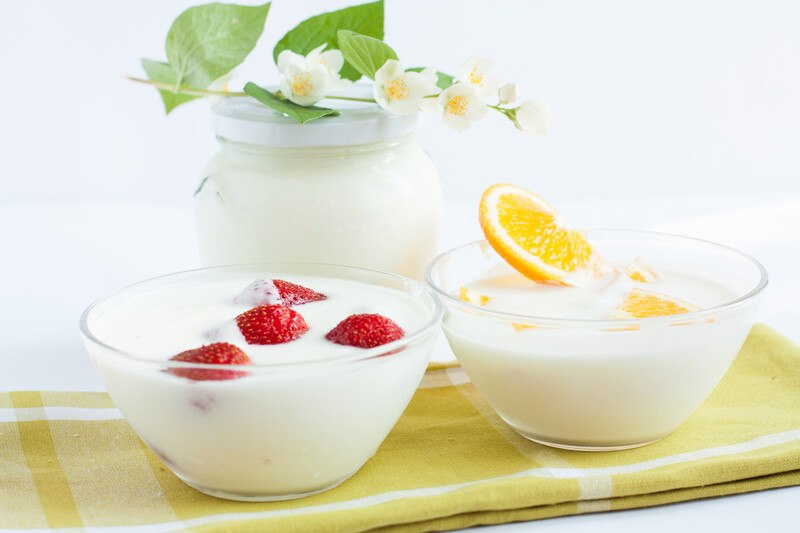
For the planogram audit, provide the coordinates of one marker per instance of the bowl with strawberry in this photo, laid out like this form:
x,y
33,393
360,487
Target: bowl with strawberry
x,y
263,382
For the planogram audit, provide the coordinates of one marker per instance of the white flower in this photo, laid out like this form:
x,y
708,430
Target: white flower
x,y
305,80
508,93
460,104
532,117
401,92
333,60
473,71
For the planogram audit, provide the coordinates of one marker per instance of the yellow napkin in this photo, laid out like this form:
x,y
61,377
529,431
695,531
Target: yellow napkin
x,y
70,460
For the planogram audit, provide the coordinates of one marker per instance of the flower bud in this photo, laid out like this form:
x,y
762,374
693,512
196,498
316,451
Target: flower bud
x,y
533,117
508,93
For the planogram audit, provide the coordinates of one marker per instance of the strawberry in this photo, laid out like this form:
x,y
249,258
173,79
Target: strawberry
x,y
294,294
276,292
365,331
219,353
271,324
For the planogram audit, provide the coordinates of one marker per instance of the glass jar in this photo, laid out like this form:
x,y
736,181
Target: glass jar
x,y
355,189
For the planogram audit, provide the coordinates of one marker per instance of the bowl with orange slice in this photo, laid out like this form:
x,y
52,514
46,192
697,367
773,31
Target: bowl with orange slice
x,y
592,339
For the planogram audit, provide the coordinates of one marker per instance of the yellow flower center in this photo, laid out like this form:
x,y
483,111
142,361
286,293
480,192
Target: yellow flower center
x,y
476,76
457,105
396,89
301,84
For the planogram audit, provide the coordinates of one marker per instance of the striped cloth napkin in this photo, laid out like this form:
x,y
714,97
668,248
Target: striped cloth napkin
x,y
70,460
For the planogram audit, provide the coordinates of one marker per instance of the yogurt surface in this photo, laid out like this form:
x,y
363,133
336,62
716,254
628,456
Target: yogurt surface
x,y
509,291
159,324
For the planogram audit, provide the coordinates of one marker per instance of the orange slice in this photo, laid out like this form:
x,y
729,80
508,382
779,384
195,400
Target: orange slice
x,y
640,271
524,230
472,297
643,304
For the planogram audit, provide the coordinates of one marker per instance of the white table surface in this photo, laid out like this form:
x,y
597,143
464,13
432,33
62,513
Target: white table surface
x,y
58,257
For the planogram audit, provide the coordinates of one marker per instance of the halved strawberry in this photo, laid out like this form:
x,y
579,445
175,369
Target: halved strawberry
x,y
271,324
365,331
294,294
277,292
218,353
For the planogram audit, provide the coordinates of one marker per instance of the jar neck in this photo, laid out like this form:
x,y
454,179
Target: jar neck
x,y
314,151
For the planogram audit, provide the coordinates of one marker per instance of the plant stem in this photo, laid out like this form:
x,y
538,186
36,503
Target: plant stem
x,y
508,112
184,90
210,92
352,99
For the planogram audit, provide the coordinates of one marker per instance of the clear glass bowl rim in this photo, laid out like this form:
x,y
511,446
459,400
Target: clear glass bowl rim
x,y
352,356
451,299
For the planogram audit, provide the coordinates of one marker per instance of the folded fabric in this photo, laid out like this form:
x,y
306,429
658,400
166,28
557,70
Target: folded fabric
x,y
70,460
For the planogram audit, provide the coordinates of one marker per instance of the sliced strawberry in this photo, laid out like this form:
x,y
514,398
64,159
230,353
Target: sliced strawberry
x,y
260,292
276,292
219,353
365,331
294,294
271,324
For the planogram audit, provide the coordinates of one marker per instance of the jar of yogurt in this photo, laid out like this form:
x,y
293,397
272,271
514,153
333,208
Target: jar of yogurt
x,y
354,189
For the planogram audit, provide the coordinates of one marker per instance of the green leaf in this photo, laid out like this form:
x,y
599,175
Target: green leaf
x,y
163,72
301,114
208,41
365,53
366,19
443,81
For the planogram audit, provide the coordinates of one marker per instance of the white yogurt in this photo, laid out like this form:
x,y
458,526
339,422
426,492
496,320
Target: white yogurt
x,y
511,292
279,432
160,325
592,386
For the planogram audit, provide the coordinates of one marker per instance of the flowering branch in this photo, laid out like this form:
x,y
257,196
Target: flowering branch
x,y
321,57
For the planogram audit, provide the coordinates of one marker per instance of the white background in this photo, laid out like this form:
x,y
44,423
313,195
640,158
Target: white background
x,y
649,97
680,116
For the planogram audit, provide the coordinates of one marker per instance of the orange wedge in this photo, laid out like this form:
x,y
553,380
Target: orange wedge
x,y
472,297
640,271
643,304
524,230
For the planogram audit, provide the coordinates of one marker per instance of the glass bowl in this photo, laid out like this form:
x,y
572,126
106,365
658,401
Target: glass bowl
x,y
278,431
600,384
